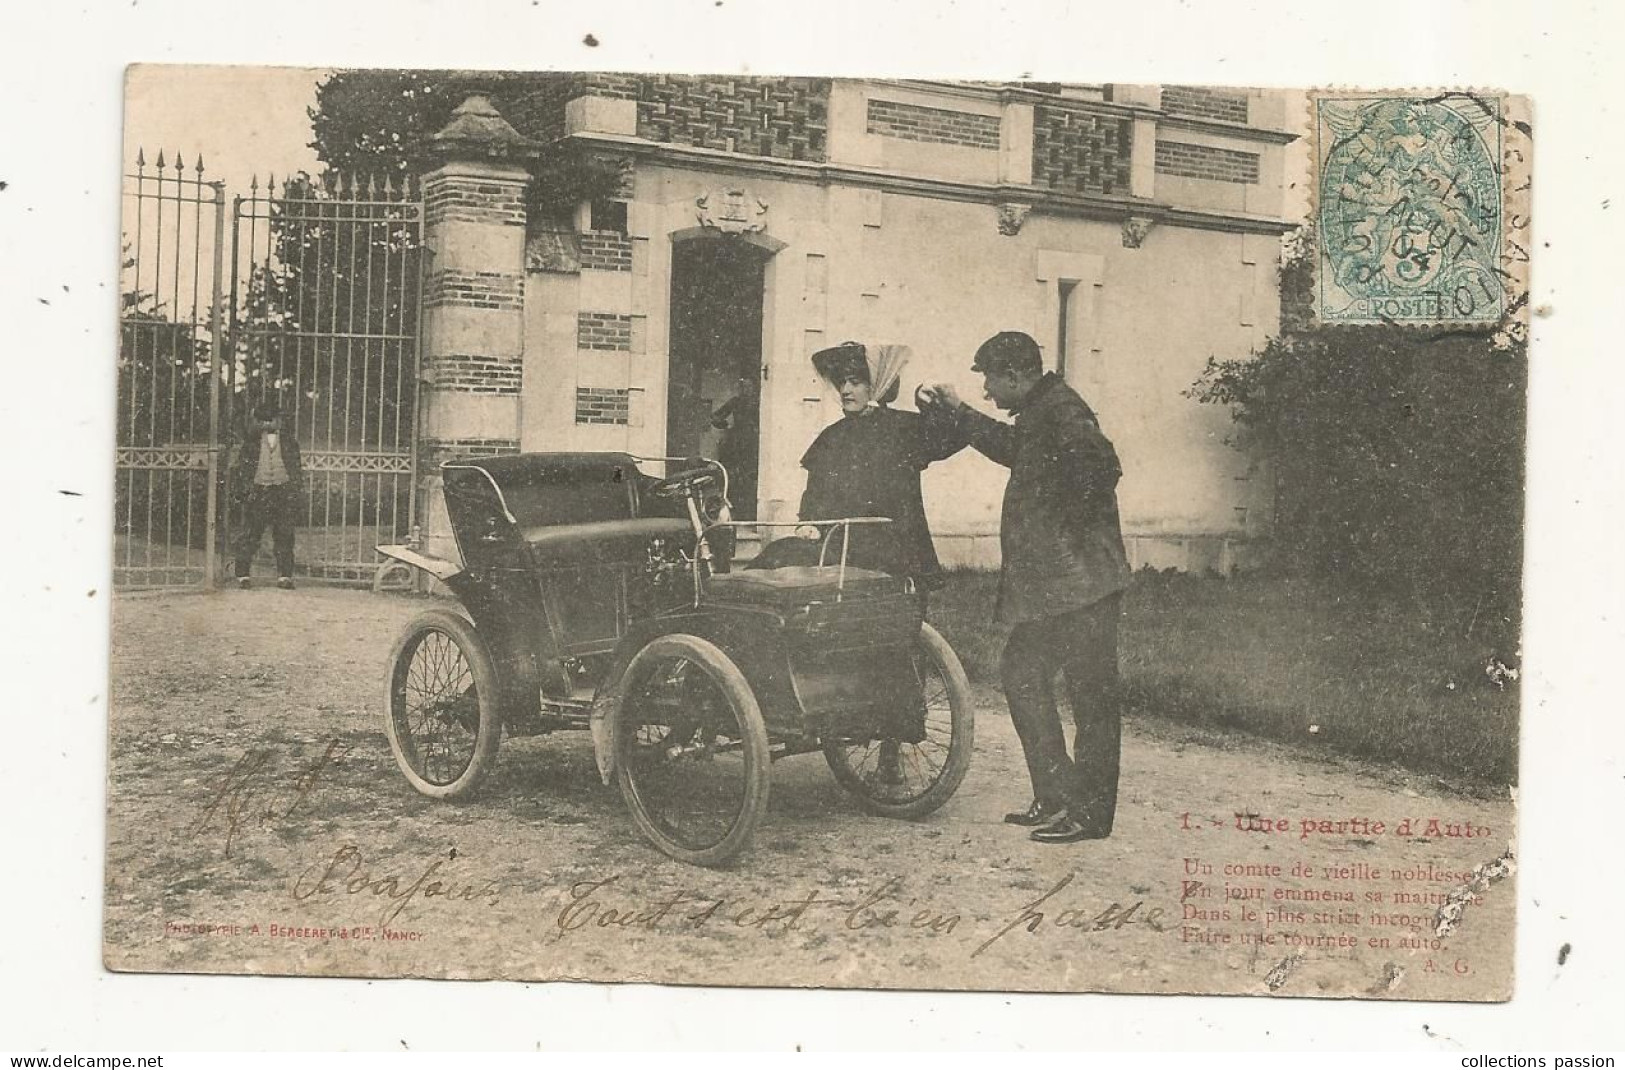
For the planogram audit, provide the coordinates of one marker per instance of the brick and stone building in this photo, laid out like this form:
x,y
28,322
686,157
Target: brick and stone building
x,y
1134,230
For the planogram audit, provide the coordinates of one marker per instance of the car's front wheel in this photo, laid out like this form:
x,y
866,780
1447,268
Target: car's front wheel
x,y
691,750
442,713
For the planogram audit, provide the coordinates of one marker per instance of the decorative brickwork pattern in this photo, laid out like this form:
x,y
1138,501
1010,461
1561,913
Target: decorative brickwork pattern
x,y
438,451
1200,102
785,118
618,86
605,250
473,201
475,289
603,405
475,374
941,126
1080,151
1204,161
604,330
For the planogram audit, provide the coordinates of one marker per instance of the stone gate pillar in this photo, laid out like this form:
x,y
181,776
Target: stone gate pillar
x,y
473,299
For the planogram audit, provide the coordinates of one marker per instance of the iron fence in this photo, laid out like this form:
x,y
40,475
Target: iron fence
x,y
320,312
328,323
166,491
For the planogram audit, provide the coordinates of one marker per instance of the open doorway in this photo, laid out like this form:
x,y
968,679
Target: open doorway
x,y
713,397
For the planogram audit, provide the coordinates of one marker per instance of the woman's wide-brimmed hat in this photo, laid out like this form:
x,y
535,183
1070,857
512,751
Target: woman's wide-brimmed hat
x,y
838,362
881,365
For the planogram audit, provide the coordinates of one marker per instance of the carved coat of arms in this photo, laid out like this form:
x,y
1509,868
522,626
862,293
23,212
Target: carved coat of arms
x,y
732,210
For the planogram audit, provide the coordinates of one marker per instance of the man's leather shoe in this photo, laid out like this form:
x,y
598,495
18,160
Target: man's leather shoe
x,y
1036,814
1068,830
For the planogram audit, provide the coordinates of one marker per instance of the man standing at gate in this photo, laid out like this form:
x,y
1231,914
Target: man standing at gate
x,y
1061,586
267,481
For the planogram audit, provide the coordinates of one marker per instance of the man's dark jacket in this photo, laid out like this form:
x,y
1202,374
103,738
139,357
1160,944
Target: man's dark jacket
x,y
1059,532
248,460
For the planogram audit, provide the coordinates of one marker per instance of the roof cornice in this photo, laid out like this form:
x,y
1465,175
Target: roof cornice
x,y
1046,201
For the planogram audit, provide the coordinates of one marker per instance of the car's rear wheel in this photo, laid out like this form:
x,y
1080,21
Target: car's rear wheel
x,y
442,713
910,774
691,752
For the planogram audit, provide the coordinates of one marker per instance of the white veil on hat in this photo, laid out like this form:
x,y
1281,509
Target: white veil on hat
x,y
882,363
886,364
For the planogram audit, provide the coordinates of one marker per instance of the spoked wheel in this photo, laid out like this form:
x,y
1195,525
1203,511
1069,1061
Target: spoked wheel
x,y
919,769
441,710
691,750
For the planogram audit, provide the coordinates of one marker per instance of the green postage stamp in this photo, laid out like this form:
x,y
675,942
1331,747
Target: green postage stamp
x,y
1420,207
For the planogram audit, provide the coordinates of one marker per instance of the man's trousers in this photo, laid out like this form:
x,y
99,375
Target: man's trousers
x,y
1082,646
268,506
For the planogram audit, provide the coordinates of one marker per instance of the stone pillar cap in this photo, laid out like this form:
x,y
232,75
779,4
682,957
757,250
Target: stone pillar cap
x,y
477,130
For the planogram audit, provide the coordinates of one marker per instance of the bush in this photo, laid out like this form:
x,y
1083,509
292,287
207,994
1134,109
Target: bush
x,y
1396,456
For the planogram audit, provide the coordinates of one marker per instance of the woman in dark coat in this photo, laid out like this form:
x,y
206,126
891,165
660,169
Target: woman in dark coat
x,y
868,463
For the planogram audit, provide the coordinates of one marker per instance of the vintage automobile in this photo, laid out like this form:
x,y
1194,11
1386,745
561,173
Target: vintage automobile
x,y
601,596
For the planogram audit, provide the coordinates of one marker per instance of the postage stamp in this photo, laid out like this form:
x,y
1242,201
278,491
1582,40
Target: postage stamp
x,y
770,531
1417,207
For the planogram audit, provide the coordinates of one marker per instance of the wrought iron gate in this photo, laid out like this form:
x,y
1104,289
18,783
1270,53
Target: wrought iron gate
x,y
320,312
327,322
166,492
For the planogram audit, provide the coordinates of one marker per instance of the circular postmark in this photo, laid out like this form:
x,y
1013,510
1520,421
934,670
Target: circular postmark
x,y
1409,211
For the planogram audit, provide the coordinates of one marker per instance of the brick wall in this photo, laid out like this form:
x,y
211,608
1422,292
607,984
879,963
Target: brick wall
x,y
1078,151
474,374
474,289
942,126
603,330
472,201
785,118
605,250
619,86
1204,161
1200,102
603,405
438,451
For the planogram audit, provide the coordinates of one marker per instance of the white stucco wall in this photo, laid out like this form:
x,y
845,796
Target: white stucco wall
x,y
938,276
899,241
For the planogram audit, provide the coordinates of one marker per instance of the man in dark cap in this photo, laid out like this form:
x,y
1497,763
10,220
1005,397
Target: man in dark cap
x,y
267,480
1061,586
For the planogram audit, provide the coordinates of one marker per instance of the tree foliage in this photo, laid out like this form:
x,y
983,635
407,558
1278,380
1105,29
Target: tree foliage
x,y
378,122
1397,453
163,403
163,371
328,311
382,122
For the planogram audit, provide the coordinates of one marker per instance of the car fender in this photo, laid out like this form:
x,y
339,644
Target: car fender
x,y
438,567
751,637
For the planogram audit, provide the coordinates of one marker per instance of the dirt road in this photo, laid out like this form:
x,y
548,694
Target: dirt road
x,y
258,823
